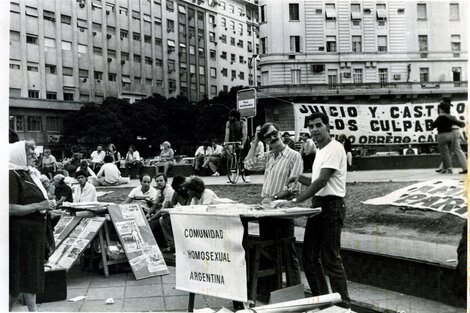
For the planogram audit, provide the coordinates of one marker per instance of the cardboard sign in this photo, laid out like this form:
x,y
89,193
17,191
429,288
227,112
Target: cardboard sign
x,y
136,237
246,102
210,258
446,196
373,124
67,253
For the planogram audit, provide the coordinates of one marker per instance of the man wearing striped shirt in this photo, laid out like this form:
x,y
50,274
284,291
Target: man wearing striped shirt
x,y
281,163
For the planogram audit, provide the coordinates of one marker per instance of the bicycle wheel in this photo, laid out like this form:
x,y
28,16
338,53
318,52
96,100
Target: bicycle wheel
x,y
241,168
232,168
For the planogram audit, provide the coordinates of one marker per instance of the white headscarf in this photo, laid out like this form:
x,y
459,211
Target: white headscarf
x,y
18,161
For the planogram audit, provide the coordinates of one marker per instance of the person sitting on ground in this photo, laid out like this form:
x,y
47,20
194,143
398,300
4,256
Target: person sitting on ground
x,y
144,194
49,164
164,195
180,197
348,148
73,163
84,192
288,141
112,150
97,158
202,155
213,160
133,162
63,192
86,169
198,192
50,188
109,174
166,158
308,150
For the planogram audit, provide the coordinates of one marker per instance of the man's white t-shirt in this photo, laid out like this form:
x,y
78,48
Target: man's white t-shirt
x,y
331,156
208,197
110,172
97,157
137,192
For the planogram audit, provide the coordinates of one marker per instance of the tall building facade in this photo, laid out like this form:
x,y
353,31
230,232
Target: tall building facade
x,y
67,52
367,51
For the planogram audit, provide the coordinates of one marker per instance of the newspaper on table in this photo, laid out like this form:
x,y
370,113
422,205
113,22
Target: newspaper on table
x,y
63,228
137,239
67,253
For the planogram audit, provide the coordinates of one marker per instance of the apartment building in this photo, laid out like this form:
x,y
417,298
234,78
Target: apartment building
x,y
64,53
378,51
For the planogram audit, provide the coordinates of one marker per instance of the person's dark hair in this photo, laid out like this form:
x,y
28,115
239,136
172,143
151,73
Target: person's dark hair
x,y
83,163
444,106
195,183
108,159
234,113
215,140
80,173
324,118
177,181
142,177
286,134
132,146
445,99
206,143
163,175
13,136
264,129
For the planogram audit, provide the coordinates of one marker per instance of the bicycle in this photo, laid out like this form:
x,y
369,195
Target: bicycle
x,y
234,157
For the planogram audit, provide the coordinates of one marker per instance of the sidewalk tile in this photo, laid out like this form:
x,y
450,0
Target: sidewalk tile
x,y
169,279
75,292
114,280
79,281
170,290
131,281
143,291
139,305
176,303
105,293
60,306
101,306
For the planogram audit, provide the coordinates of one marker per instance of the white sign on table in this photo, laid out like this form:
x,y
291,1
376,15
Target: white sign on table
x,y
210,258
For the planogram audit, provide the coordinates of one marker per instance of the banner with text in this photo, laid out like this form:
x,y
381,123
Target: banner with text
x,y
445,196
210,258
373,124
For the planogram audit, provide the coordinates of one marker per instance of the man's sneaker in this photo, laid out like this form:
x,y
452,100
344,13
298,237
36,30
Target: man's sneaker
x,y
247,179
216,174
447,171
439,170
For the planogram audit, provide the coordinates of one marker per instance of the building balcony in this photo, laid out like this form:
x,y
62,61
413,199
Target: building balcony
x,y
368,89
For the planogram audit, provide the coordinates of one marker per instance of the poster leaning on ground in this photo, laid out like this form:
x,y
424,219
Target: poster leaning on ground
x,y
136,237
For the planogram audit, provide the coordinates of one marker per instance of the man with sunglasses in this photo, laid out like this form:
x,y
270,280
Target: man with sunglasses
x,y
322,238
281,162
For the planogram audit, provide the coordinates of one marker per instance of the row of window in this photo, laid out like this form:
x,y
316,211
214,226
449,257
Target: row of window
x,y
356,13
21,123
356,43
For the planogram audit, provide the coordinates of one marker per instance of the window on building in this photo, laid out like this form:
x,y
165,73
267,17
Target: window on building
x,y
30,11
213,90
158,62
123,11
97,51
98,75
54,124
137,80
147,39
14,36
137,58
67,71
50,95
171,85
421,8
148,81
356,11
264,47
294,43
223,55
233,57
356,43
295,76
455,43
211,36
234,74
332,77
124,56
14,7
170,24
15,65
17,123
32,67
112,77
32,39
136,15
83,74
212,54
51,69
224,72
65,19
213,72
454,12
96,27
241,75
124,33
293,11
111,53
382,43
423,43
192,50
136,36
82,48
66,45
82,24
68,96
330,11
383,75
33,93
158,41
48,15
49,42
34,123
111,30
381,11
331,43
232,41
241,59
148,60
223,38
263,14
357,76
202,70
232,25
424,74
231,8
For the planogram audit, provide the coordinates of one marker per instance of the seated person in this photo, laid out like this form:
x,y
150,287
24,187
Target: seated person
x,y
109,174
97,158
201,155
86,169
73,163
49,164
180,197
62,193
133,162
144,194
214,158
84,192
50,188
166,158
164,195
198,192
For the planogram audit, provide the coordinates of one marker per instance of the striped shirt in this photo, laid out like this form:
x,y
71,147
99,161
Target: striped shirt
x,y
277,170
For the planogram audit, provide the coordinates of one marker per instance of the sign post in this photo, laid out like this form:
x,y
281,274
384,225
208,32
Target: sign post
x,y
246,102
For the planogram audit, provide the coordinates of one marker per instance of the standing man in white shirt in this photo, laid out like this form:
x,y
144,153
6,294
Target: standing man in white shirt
x,y
84,192
97,158
322,239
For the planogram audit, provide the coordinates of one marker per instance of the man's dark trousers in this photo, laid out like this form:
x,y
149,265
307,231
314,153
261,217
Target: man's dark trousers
x,y
321,248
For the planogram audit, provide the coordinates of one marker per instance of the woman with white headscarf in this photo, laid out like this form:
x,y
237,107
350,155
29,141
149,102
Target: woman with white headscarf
x,y
27,207
166,158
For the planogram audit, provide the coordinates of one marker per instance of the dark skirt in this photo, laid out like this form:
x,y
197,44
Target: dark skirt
x,y
27,247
